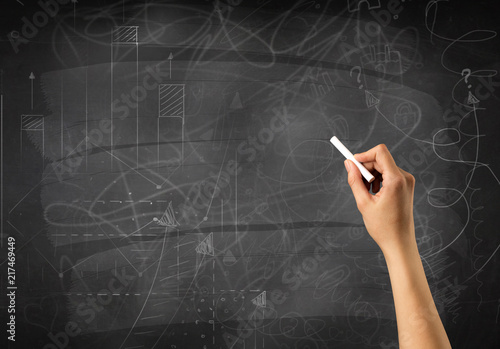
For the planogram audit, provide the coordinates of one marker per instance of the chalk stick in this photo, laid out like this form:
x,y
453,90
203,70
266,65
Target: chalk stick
x,y
348,155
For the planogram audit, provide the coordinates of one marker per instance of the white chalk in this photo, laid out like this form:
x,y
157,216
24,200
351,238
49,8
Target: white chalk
x,y
348,155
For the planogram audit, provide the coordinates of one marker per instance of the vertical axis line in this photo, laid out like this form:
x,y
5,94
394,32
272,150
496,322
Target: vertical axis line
x,y
255,338
20,145
1,171
43,142
137,86
62,115
111,105
158,129
86,119
236,194
28,267
158,144
213,299
183,116
31,92
178,278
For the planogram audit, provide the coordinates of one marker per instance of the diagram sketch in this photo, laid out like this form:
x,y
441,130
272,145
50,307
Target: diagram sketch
x,y
167,220
167,179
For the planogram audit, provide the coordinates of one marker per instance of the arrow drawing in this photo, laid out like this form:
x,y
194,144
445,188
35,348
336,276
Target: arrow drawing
x,y
170,56
32,77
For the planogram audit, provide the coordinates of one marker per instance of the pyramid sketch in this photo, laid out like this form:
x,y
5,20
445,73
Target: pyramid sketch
x,y
371,100
167,220
236,103
206,247
260,300
229,258
471,99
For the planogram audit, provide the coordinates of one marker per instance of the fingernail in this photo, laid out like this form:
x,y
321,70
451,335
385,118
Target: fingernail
x,y
347,165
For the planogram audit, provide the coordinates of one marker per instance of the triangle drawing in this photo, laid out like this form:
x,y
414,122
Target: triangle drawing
x,y
471,99
229,258
236,103
168,218
206,247
260,300
371,100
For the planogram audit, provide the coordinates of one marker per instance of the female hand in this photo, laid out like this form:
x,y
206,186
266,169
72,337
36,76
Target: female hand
x,y
388,217
388,212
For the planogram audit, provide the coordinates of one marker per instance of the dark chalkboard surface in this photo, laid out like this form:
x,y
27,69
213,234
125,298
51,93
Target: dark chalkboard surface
x,y
167,179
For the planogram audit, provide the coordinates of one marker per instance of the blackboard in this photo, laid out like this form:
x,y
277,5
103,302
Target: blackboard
x,y
167,179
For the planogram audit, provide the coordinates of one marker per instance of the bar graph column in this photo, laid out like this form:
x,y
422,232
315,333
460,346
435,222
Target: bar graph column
x,y
171,109
33,125
124,96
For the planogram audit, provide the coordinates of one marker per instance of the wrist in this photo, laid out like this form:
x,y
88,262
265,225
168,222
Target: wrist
x,y
400,251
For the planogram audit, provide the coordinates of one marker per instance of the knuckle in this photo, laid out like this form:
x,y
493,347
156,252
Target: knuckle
x,y
382,147
410,180
399,182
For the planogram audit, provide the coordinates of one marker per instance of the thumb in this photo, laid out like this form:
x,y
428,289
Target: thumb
x,y
361,194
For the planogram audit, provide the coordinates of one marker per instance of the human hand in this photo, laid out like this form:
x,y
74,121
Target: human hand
x,y
388,217
388,212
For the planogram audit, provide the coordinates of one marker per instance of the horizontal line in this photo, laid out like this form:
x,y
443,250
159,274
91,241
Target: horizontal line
x,y
151,317
145,332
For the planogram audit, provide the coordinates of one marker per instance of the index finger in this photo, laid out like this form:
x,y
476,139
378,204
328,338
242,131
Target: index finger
x,y
381,158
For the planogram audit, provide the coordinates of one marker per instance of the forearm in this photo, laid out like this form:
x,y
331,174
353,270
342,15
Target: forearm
x,y
419,325
388,217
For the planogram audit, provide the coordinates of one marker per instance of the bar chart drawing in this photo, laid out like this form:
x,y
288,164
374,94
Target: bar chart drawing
x,y
33,123
125,34
235,227
171,105
171,97
124,51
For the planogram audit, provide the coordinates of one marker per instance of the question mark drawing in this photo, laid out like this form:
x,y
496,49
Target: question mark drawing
x,y
358,79
467,73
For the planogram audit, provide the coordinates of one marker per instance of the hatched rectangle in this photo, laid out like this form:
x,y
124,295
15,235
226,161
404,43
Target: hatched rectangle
x,y
32,122
125,34
171,100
